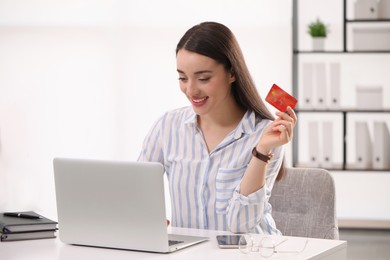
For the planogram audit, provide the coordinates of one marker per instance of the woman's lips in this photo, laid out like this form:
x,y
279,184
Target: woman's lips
x,y
199,101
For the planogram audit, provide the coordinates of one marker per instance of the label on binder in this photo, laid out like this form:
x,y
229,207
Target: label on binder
x,y
280,99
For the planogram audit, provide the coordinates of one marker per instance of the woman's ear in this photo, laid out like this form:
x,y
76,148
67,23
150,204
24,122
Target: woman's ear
x,y
232,76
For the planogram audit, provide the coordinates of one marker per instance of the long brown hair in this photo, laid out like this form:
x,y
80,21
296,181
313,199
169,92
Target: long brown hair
x,y
216,41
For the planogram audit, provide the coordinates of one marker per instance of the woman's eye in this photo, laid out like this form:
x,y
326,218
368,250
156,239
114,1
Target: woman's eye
x,y
204,79
182,78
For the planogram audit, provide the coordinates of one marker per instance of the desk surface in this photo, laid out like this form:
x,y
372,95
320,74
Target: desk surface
x,y
52,249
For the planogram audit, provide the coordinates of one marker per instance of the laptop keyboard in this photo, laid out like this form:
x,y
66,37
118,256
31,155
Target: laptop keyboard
x,y
174,242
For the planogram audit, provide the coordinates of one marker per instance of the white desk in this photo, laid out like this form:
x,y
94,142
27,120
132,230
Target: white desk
x,y
52,249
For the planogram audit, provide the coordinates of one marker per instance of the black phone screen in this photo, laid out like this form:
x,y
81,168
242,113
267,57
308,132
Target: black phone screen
x,y
229,241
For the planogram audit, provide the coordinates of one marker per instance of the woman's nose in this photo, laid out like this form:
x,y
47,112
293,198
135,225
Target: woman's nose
x,y
192,89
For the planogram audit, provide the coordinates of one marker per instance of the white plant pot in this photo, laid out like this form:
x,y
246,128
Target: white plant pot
x,y
318,43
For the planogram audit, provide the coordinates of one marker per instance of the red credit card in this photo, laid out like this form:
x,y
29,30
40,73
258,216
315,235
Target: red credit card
x,y
280,98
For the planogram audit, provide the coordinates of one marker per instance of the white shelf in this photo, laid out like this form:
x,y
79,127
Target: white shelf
x,y
362,195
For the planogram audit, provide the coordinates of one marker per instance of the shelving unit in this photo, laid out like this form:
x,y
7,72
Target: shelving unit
x,y
345,112
297,52
343,173
346,21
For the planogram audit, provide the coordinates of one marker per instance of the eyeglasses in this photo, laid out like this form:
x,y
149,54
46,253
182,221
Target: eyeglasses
x,y
266,246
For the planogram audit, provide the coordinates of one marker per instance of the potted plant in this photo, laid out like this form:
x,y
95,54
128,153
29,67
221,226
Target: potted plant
x,y
318,31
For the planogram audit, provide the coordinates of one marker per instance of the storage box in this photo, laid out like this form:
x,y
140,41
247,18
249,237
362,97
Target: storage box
x,y
371,39
369,97
366,9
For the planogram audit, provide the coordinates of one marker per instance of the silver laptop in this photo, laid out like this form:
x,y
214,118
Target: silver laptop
x,y
114,204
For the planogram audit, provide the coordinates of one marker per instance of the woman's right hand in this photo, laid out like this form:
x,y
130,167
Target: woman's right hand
x,y
279,132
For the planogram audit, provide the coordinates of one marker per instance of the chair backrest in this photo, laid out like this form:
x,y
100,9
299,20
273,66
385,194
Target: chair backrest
x,y
303,204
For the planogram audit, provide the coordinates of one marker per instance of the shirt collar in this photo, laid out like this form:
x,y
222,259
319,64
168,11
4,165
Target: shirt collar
x,y
191,119
247,124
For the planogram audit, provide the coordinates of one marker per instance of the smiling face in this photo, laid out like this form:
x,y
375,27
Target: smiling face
x,y
205,82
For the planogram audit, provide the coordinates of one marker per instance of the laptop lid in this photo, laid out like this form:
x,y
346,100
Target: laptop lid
x,y
112,204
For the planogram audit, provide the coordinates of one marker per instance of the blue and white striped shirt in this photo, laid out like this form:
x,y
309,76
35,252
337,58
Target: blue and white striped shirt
x,y
204,187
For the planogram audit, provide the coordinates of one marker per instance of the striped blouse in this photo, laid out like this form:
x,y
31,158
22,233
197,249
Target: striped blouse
x,y
203,186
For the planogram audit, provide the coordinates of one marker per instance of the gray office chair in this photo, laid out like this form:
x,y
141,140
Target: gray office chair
x,y
303,204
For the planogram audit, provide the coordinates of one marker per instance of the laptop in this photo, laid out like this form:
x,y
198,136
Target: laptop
x,y
115,205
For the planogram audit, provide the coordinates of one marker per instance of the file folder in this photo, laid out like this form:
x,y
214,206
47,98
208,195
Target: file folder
x,y
363,146
307,85
320,83
327,143
334,102
314,148
381,146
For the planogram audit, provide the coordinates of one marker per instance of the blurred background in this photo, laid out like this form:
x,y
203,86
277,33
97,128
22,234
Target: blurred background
x,y
87,79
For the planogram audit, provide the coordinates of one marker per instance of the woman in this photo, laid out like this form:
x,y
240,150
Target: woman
x,y
223,153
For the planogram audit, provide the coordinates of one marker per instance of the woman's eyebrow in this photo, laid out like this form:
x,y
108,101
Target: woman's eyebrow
x,y
196,72
202,71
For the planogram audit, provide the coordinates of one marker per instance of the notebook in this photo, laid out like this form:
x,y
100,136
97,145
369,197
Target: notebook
x,y
114,204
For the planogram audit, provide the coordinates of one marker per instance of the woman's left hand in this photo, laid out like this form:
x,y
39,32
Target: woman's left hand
x,y
280,131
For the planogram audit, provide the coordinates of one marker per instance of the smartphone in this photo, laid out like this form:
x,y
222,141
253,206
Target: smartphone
x,y
230,241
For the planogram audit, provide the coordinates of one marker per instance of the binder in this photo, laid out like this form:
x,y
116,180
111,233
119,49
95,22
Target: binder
x,y
334,102
381,146
307,85
27,235
363,146
314,148
320,83
327,143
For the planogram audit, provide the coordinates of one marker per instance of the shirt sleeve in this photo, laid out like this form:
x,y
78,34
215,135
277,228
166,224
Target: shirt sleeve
x,y
246,213
152,146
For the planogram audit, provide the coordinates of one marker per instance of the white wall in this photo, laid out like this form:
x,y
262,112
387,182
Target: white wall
x,y
88,78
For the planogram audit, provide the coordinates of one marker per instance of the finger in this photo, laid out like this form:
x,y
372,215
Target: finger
x,y
285,134
285,116
289,124
284,126
288,113
292,114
